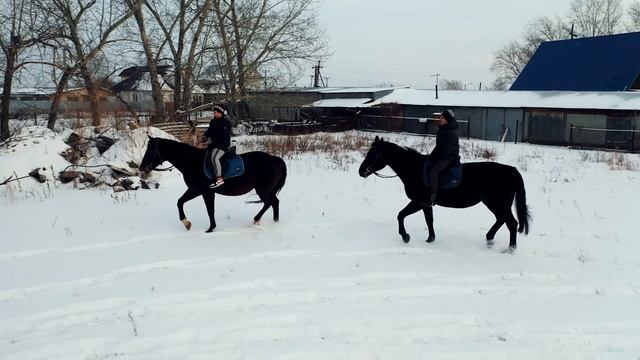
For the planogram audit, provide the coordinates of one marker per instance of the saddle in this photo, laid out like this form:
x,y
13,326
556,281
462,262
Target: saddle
x,y
448,179
232,164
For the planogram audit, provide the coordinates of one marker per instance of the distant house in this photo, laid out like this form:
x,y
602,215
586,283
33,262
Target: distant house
x,y
213,80
29,101
134,87
77,99
601,63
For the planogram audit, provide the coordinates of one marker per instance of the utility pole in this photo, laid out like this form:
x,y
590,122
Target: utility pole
x,y
437,76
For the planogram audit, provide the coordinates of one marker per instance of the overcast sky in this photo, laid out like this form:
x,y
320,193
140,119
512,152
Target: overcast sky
x,y
405,41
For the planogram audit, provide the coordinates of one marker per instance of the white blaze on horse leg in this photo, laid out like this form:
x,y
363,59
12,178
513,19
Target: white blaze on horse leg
x,y
186,223
509,250
257,222
489,244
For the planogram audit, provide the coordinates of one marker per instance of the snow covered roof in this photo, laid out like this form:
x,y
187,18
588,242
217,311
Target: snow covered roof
x,y
514,99
31,91
344,103
358,90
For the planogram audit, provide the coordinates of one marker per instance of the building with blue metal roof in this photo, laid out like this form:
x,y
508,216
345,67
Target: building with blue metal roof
x,y
601,63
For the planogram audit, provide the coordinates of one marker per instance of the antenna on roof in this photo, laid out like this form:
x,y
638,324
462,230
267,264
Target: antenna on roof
x,y
572,32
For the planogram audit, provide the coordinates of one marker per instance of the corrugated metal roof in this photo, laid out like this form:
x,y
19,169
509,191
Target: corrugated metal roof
x,y
341,103
514,99
602,63
359,90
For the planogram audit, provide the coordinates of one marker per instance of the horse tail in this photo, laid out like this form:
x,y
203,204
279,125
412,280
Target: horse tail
x,y
522,210
283,177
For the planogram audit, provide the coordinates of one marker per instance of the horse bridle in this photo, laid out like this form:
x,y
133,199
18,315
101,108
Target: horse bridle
x,y
156,155
370,171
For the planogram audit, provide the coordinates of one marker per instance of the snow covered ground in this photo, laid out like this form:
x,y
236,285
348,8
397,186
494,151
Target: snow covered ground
x,y
93,274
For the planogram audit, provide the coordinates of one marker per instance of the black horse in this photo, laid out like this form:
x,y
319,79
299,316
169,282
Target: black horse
x,y
491,183
264,172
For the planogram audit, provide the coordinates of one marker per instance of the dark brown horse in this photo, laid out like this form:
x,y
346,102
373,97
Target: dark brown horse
x,y
263,172
491,183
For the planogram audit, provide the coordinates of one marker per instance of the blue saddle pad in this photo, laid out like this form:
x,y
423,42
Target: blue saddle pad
x,y
448,179
232,166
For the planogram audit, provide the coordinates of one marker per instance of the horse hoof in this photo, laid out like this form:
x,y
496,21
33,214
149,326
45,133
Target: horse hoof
x,y
431,239
257,222
489,244
509,250
406,238
187,224
209,231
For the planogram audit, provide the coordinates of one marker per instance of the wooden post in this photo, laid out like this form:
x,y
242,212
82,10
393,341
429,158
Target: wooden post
x,y
571,135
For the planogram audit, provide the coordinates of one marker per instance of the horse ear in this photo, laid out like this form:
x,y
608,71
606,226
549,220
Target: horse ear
x,y
377,139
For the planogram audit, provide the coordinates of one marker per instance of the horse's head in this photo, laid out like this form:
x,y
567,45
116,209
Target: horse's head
x,y
151,158
374,161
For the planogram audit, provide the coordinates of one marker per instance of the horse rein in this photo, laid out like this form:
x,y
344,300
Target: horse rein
x,y
380,175
384,176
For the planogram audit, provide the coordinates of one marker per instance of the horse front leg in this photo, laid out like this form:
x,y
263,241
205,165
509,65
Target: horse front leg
x,y
411,208
188,195
428,217
210,202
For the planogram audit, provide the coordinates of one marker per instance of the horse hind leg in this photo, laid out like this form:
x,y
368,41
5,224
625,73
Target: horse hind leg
x,y
266,201
275,205
494,229
512,225
500,215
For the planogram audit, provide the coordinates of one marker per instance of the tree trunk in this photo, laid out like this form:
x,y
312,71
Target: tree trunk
x,y
177,61
55,102
242,86
226,44
6,92
156,90
93,96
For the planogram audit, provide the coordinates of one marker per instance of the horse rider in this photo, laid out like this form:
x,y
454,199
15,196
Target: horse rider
x,y
447,150
218,137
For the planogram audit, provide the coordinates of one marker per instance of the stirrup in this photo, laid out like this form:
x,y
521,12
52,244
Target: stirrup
x,y
216,184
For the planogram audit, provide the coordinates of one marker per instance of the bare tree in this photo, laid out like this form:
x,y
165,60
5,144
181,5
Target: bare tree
x,y
510,60
21,28
85,27
181,24
149,54
451,84
590,17
280,36
634,16
596,17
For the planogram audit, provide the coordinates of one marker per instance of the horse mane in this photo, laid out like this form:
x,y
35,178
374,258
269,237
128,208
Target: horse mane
x,y
407,150
179,145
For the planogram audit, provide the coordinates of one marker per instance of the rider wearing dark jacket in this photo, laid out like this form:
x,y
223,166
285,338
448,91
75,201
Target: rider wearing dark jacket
x,y
218,137
447,150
